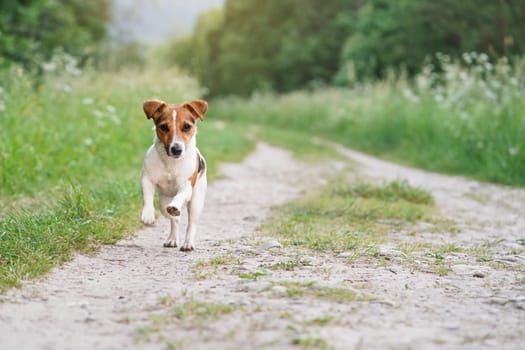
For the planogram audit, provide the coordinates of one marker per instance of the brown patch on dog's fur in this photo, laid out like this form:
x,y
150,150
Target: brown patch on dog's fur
x,y
185,125
193,177
154,108
197,107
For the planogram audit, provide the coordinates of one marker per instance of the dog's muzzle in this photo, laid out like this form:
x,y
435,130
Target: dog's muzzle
x,y
175,150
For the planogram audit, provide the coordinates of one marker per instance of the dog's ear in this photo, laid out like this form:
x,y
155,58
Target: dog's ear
x,y
153,108
197,107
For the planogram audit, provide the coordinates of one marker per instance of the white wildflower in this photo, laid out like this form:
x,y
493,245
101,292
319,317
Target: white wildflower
x,y
49,66
496,84
115,119
483,58
409,95
98,114
87,101
219,125
490,94
467,58
66,88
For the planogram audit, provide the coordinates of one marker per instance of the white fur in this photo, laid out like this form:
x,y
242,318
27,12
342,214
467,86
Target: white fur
x,y
171,177
176,139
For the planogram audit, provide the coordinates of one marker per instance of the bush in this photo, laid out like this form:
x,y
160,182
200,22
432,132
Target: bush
x,y
31,30
466,118
399,35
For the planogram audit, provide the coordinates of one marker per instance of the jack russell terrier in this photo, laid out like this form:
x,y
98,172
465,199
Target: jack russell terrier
x,y
174,165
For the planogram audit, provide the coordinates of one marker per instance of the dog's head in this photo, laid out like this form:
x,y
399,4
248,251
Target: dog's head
x,y
175,125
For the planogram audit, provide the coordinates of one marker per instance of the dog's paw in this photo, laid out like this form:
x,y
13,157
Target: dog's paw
x,y
173,211
186,247
148,216
170,244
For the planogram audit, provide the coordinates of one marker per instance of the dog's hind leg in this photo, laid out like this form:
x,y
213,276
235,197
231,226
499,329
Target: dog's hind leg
x,y
194,212
173,238
193,215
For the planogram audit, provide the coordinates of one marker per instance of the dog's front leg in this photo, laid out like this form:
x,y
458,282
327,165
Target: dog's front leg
x,y
173,239
182,197
148,194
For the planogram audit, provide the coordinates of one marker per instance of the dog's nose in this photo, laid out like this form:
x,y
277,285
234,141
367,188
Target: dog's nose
x,y
176,149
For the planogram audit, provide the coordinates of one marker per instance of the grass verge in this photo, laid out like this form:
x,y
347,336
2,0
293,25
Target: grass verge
x,y
190,314
349,217
299,290
33,241
467,120
36,238
71,152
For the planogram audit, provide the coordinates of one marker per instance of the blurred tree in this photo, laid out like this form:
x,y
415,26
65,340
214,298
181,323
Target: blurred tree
x,y
283,45
271,44
30,30
198,52
401,34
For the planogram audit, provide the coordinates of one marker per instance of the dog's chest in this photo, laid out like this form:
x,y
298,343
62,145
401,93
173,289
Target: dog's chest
x,y
168,175
170,180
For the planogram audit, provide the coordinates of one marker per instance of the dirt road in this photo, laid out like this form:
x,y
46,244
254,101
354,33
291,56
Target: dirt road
x,y
139,295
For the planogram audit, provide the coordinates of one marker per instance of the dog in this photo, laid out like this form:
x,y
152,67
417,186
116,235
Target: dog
x,y
174,166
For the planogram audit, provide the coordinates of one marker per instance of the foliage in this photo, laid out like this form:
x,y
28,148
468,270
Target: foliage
x,y
399,35
465,119
266,45
77,122
280,46
392,191
341,216
71,152
33,241
31,30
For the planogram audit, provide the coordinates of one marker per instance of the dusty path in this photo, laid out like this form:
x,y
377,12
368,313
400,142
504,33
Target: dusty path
x,y
137,294
86,303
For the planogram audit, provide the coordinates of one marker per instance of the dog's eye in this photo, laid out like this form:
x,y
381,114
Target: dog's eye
x,y
186,127
164,127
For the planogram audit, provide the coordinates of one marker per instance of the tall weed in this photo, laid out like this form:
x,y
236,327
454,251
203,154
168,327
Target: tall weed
x,y
71,152
468,118
77,125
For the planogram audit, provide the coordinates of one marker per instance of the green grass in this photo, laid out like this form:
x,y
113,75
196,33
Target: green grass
x,y
297,290
321,321
306,342
304,145
390,192
467,121
32,241
198,311
189,314
204,269
71,153
343,217
218,261
290,265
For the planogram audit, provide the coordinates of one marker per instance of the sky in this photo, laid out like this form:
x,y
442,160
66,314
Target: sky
x,y
155,21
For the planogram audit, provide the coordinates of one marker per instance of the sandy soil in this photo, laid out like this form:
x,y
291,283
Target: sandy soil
x,y
139,295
